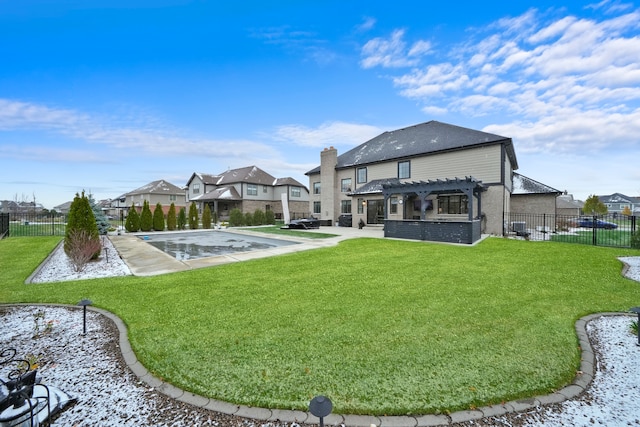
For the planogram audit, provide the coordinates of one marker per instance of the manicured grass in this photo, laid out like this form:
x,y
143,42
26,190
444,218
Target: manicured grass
x,y
379,326
616,238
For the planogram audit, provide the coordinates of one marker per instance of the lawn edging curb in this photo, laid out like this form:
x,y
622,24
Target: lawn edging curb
x,y
578,386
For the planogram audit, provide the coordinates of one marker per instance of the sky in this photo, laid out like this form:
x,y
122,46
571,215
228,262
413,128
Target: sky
x,y
106,96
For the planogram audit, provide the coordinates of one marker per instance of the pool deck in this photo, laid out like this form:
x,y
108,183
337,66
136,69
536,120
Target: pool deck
x,y
145,260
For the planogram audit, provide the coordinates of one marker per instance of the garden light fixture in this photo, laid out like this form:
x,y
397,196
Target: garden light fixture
x,y
84,303
320,406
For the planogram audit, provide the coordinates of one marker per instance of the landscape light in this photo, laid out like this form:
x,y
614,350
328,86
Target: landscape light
x,y
84,303
320,406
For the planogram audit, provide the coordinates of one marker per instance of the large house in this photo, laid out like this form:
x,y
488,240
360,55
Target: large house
x,y
160,191
431,181
248,189
618,203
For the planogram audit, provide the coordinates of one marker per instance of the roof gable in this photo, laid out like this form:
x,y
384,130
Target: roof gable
x,y
249,174
157,187
617,198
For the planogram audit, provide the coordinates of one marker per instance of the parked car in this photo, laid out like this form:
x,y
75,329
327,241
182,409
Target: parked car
x,y
587,222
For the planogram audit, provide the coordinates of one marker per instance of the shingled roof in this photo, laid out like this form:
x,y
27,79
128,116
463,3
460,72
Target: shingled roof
x,y
419,140
157,187
524,185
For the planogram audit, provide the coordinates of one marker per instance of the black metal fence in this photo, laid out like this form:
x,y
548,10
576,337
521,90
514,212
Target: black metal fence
x,y
31,224
600,230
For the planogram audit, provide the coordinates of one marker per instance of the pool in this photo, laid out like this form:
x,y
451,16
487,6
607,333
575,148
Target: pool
x,y
193,245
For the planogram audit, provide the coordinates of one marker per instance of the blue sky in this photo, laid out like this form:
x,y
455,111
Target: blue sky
x,y
107,96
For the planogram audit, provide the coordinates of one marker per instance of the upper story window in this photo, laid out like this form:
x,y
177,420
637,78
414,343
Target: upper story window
x,y
345,185
172,197
295,191
252,190
361,175
404,169
196,188
316,188
264,188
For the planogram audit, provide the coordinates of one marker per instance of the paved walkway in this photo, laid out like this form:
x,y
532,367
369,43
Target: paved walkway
x,y
145,260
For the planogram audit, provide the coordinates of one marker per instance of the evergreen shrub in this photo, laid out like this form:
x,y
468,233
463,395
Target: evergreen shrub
x,y
132,224
146,217
182,219
269,218
193,216
171,218
236,218
258,217
158,218
81,223
206,217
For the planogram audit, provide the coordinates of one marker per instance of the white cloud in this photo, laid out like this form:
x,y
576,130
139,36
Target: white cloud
x,y
134,140
558,83
327,134
392,52
367,24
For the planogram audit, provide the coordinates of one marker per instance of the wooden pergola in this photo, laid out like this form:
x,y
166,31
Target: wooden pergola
x,y
439,229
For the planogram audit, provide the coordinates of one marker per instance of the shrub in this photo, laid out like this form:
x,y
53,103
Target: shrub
x,y
146,218
206,217
193,216
171,218
215,217
258,217
132,224
81,218
236,218
82,247
248,218
635,240
101,219
269,218
182,219
158,218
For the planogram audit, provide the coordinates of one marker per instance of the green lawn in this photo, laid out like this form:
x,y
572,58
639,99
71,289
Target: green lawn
x,y
380,326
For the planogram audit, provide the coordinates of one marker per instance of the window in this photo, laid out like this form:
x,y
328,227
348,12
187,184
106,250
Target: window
x,y
345,185
458,204
295,191
173,197
316,188
404,169
252,190
394,204
316,207
345,206
196,188
264,188
361,175
360,206
267,208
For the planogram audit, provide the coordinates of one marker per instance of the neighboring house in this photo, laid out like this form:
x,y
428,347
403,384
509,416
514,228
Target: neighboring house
x,y
20,208
616,203
431,181
566,205
248,189
63,208
529,196
155,192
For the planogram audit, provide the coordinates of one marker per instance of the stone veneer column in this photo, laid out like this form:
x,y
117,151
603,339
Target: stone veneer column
x,y
328,185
